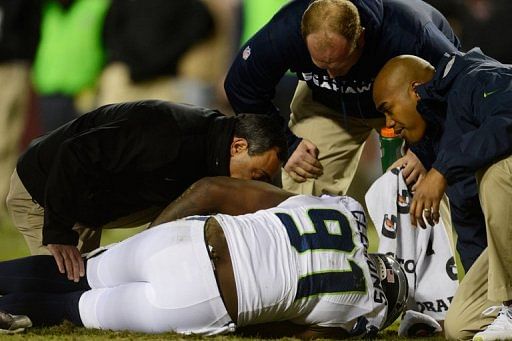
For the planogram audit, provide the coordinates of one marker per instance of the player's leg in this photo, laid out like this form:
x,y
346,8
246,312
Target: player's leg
x,y
126,261
180,293
132,260
36,274
34,287
340,141
43,309
136,307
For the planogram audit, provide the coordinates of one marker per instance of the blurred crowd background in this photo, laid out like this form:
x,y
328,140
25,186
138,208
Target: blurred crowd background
x,y
62,58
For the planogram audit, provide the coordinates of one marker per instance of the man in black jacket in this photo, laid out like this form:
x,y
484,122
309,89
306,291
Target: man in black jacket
x,y
120,164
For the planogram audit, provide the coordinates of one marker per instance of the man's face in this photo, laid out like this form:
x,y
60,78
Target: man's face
x,y
331,52
261,167
399,106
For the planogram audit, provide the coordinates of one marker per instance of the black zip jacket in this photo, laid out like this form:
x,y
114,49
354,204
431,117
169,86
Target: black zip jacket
x,y
122,158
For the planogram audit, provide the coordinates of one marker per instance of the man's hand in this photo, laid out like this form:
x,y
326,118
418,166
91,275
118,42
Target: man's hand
x,y
303,163
69,260
427,199
413,170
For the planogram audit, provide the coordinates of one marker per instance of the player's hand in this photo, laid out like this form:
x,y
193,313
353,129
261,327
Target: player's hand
x,y
303,163
69,260
427,199
413,170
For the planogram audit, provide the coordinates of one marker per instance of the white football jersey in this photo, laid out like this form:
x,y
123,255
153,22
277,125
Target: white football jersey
x,y
304,261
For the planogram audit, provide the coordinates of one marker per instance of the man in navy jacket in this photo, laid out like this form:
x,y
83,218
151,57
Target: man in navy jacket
x,y
332,111
462,112
324,155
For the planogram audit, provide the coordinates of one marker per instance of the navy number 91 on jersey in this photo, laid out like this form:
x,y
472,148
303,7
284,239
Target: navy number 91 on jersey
x,y
331,231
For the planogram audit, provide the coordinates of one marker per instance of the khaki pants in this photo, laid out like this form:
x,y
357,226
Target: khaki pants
x,y
28,217
14,99
489,281
340,142
117,86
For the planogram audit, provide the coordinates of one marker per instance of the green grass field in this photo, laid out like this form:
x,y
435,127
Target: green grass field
x,y
68,332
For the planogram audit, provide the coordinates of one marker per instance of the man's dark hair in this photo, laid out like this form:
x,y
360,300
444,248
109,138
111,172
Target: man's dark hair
x,y
262,132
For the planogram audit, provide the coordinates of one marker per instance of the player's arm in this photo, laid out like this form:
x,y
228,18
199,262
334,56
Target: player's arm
x,y
223,195
290,329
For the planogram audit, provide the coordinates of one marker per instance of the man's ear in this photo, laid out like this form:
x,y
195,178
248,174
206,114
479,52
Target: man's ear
x,y
238,145
413,87
361,40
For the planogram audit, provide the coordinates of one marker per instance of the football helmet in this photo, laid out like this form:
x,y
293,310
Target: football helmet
x,y
394,283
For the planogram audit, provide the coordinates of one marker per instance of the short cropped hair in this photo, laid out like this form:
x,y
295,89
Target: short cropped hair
x,y
262,132
337,16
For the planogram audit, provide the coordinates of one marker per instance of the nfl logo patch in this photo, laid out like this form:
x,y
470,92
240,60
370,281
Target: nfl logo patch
x,y
246,53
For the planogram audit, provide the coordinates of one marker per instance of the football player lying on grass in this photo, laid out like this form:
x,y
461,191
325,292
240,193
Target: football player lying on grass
x,y
298,267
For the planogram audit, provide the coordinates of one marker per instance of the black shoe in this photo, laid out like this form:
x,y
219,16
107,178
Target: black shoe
x,y
11,324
